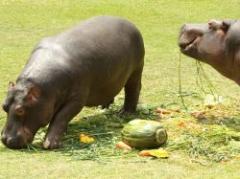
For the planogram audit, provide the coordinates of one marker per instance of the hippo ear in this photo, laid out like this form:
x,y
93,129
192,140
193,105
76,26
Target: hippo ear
x,y
225,25
33,94
11,85
214,24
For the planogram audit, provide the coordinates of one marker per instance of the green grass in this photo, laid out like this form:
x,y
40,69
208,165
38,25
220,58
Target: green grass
x,y
207,147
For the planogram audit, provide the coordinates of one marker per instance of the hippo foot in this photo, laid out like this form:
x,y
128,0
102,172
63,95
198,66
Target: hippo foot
x,y
125,112
51,143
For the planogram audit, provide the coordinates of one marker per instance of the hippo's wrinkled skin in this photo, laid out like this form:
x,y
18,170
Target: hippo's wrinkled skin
x,y
216,43
87,65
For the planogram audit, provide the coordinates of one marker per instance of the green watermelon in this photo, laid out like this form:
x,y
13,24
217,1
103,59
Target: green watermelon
x,y
144,134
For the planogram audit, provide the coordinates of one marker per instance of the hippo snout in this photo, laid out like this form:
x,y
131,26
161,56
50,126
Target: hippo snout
x,y
189,37
188,33
15,141
186,36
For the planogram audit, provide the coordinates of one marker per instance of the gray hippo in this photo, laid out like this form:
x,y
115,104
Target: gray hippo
x,y
87,65
216,43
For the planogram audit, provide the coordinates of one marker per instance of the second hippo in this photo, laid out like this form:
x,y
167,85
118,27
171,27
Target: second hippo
x,y
216,43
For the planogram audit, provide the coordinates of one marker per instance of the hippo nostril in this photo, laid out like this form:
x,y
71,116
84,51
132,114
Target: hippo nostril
x,y
182,45
14,142
9,140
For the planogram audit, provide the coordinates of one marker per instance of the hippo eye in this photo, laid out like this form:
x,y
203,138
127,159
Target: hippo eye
x,y
19,110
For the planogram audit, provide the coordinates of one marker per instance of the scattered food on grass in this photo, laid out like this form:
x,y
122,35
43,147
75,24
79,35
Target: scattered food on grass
x,y
182,124
158,153
198,114
123,146
166,112
219,114
208,134
190,125
144,153
214,142
163,111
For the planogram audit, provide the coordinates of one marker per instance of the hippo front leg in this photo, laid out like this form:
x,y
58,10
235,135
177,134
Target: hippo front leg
x,y
59,124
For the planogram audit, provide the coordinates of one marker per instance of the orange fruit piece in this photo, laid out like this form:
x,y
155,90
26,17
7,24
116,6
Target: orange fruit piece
x,y
86,139
122,145
158,153
144,153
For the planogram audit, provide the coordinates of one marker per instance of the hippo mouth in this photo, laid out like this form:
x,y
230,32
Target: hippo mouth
x,y
21,140
187,46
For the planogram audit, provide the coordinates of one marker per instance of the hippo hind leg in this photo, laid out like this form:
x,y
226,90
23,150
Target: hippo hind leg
x,y
132,91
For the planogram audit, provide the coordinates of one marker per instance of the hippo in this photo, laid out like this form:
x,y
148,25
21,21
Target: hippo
x,y
87,65
216,43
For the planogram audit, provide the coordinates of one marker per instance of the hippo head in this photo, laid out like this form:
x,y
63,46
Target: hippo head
x,y
216,43
24,115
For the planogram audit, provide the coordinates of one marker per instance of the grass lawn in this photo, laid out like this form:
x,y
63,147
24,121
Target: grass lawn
x,y
206,147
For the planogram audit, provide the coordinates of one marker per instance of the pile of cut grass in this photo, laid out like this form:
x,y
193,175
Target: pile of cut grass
x,y
207,136
104,125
